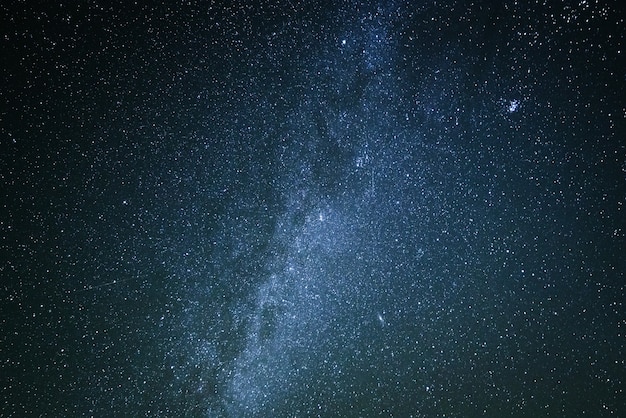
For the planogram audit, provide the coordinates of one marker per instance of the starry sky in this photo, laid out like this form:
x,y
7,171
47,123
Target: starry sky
x,y
312,208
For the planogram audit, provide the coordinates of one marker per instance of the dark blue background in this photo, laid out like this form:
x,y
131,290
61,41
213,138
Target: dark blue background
x,y
312,209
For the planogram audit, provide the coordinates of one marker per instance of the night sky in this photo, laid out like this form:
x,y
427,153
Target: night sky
x,y
302,209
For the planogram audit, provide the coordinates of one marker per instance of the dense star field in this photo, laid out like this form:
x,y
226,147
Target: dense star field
x,y
301,209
